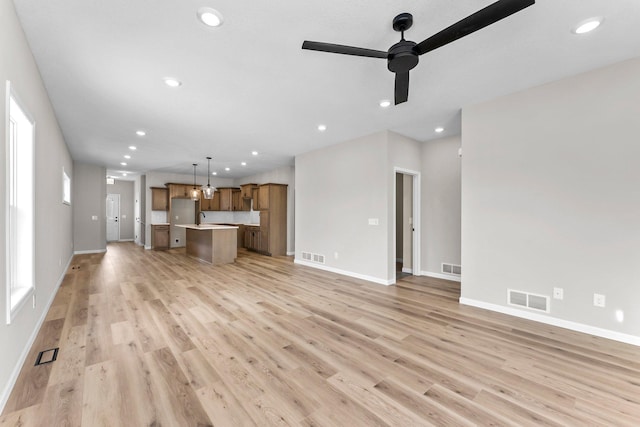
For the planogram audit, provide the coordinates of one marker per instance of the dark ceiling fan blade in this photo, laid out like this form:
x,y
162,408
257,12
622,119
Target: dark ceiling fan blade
x,y
345,50
482,18
402,87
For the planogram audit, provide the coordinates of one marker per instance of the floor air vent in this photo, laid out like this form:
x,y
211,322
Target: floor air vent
x,y
47,356
451,269
318,258
306,256
528,300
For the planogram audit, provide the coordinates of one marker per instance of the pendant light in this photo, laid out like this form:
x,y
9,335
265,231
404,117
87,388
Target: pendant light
x,y
208,191
195,194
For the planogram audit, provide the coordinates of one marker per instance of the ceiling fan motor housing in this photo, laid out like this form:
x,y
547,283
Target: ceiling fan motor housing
x,y
402,56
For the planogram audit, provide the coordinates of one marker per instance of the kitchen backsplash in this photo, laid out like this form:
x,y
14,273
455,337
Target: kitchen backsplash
x,y
159,217
241,217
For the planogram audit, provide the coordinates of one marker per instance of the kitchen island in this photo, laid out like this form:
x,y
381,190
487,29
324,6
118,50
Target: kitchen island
x,y
214,244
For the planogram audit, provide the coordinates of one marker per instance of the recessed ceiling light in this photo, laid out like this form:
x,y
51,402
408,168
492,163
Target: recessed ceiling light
x,y
227,169
439,129
210,17
322,128
587,25
132,148
171,82
385,103
254,153
244,163
214,173
123,163
124,174
140,133
126,156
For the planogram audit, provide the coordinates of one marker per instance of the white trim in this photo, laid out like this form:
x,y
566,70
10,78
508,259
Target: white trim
x,y
416,202
125,240
407,270
147,247
4,397
452,277
93,251
291,253
344,272
554,321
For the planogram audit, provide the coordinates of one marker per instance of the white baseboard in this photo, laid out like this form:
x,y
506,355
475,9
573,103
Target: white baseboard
x,y
442,276
407,270
125,240
344,272
93,251
554,321
4,397
147,247
291,253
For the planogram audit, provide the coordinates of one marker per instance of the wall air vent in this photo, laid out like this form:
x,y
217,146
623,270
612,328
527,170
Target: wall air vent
x,y
528,300
317,258
451,269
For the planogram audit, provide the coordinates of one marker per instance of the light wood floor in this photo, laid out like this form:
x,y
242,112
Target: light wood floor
x,y
156,338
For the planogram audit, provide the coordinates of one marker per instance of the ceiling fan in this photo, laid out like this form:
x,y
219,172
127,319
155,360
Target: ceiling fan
x,y
404,55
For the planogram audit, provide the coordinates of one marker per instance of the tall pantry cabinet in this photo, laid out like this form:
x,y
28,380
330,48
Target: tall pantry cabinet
x,y
272,204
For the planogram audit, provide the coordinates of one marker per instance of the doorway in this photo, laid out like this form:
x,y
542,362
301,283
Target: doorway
x,y
113,217
407,215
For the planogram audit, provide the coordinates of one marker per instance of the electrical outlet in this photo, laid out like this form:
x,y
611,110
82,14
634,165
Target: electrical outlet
x,y
335,255
598,300
373,221
558,293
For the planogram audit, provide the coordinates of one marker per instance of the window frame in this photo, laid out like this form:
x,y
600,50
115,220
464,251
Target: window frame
x,y
17,296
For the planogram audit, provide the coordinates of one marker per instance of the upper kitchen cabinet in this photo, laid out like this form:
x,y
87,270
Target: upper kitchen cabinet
x,y
159,199
236,196
249,194
230,199
179,191
212,204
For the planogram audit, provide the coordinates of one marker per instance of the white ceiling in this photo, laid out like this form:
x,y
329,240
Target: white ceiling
x,y
248,85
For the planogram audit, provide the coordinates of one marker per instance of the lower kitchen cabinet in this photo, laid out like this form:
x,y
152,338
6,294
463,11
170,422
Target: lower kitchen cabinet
x,y
252,238
160,237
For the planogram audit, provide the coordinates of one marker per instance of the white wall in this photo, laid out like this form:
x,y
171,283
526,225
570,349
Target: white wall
x,y
551,197
89,200
338,189
441,169
53,219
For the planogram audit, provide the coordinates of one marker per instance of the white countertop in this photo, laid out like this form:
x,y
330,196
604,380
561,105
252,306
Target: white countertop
x,y
206,226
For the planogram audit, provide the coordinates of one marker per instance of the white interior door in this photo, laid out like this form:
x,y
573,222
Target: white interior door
x,y
113,217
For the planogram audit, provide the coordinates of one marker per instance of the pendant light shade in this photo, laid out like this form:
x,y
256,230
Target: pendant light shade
x,y
195,193
208,191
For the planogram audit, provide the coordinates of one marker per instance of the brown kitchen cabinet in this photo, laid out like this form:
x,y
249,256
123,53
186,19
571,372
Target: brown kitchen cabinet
x,y
212,204
272,204
160,236
252,238
247,194
159,199
179,191
236,198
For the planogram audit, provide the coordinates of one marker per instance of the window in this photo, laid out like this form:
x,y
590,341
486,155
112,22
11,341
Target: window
x,y
20,205
66,188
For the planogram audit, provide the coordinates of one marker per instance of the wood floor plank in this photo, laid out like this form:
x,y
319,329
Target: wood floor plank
x,y
157,338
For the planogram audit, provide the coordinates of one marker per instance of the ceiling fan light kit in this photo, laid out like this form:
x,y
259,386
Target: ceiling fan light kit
x,y
404,55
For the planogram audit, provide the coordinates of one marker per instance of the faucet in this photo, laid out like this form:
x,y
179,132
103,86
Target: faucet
x,y
198,217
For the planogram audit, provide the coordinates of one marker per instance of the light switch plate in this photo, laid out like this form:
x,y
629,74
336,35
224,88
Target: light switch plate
x,y
373,221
